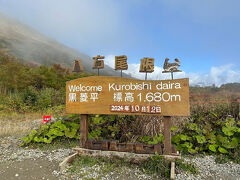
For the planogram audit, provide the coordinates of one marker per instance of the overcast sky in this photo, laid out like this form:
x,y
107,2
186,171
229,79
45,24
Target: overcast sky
x,y
203,34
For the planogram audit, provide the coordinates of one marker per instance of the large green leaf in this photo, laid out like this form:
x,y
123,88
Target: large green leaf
x,y
176,139
231,144
188,145
70,133
183,137
201,139
55,131
222,150
211,137
48,140
213,147
229,131
192,151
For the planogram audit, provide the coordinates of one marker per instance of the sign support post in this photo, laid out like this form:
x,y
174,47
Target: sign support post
x,y
83,130
167,135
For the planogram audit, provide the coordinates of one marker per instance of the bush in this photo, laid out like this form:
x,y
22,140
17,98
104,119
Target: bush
x,y
31,99
45,98
29,96
15,102
210,131
49,132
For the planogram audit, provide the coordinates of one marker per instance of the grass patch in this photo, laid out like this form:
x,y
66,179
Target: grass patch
x,y
108,165
235,157
17,124
96,168
190,168
20,124
154,167
59,143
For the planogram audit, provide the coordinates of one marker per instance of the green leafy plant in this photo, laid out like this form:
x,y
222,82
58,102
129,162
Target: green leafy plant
x,y
157,139
51,131
210,131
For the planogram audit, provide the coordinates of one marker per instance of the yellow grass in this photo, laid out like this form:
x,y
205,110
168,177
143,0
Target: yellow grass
x,y
17,124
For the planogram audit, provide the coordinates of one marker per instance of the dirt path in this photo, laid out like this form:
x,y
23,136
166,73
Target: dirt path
x,y
18,163
28,170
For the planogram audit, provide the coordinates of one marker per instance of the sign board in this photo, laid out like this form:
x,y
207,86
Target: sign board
x,y
46,119
115,95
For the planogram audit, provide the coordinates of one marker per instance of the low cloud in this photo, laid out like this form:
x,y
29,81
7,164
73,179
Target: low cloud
x,y
217,75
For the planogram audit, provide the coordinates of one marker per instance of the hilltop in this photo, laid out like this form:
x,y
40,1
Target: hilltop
x,y
29,45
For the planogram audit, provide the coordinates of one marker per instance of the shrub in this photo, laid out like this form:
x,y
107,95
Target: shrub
x,y
15,102
51,131
210,131
44,98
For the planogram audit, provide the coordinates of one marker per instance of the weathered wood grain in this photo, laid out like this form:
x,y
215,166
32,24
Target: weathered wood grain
x,y
174,107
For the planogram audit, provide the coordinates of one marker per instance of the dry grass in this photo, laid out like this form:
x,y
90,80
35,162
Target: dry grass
x,y
18,124
153,125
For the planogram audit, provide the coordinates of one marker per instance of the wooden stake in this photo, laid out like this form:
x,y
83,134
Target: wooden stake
x,y
83,130
167,135
172,175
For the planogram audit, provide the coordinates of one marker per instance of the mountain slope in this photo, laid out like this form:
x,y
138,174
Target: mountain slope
x,y
28,44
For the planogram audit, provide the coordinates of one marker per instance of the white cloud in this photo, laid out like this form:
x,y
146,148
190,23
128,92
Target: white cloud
x,y
89,22
133,70
218,75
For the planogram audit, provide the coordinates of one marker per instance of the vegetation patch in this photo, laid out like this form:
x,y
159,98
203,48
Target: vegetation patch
x,y
155,167
187,167
49,132
209,130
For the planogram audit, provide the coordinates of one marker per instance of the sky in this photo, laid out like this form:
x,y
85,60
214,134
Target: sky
x,y
203,35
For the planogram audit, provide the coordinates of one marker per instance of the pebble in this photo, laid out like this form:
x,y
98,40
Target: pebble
x,y
209,169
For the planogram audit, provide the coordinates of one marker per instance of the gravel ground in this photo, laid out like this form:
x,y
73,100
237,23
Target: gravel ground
x,y
209,169
29,164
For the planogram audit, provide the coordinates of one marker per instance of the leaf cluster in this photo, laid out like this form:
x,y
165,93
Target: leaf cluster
x,y
210,131
48,132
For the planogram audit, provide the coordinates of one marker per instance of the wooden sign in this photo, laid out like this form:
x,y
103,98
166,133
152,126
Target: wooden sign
x,y
171,67
78,67
147,65
98,62
121,62
115,95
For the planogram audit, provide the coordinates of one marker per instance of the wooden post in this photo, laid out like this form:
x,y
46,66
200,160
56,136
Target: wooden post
x,y
172,174
167,135
83,130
